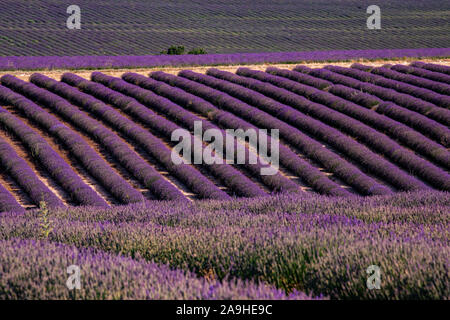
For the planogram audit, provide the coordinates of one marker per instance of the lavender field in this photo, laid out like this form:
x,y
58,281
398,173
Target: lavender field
x,y
142,27
87,178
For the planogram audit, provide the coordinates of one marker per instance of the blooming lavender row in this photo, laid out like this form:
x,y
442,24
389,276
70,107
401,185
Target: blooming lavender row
x,y
423,94
405,158
316,244
186,173
78,148
225,119
139,168
96,62
221,93
412,107
351,148
58,169
21,172
384,124
34,269
8,203
432,67
184,100
423,73
440,88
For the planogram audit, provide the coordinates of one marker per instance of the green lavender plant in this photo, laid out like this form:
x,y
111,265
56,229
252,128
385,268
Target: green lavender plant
x,y
46,225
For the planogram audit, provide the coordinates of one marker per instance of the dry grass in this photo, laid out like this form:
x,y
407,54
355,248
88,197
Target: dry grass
x,y
56,74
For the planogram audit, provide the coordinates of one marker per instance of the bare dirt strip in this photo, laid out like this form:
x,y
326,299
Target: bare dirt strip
x,y
56,74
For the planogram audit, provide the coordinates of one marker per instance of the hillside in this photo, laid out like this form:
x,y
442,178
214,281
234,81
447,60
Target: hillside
x,y
344,131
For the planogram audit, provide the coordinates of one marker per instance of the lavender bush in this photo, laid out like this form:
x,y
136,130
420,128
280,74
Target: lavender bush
x,y
37,270
317,244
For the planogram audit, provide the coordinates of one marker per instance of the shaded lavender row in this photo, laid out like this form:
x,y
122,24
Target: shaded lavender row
x,y
423,73
185,173
432,67
351,148
225,119
139,168
317,244
218,92
437,100
7,202
437,87
36,269
58,169
264,119
79,148
434,175
95,62
394,129
414,109
21,172
184,100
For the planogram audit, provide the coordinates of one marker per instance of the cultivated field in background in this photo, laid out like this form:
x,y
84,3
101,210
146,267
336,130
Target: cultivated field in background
x,y
136,27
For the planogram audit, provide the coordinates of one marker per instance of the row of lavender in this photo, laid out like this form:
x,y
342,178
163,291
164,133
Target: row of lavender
x,y
98,62
319,245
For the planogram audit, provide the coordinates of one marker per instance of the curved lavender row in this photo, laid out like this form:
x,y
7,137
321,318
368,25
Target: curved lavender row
x,y
8,203
277,182
139,168
60,171
93,163
348,146
288,158
432,67
437,87
19,170
426,126
190,176
413,104
310,147
435,176
394,129
423,94
184,100
423,73
33,271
